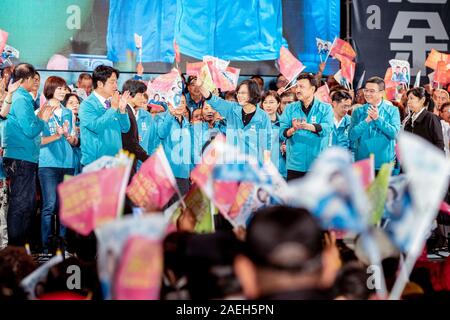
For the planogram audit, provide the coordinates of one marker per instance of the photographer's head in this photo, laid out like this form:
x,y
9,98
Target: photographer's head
x,y
284,253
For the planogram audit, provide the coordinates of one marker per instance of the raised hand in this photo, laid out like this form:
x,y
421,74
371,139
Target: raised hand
x,y
124,101
115,100
45,112
12,87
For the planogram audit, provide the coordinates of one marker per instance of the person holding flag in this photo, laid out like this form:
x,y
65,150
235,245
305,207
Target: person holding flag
x,y
173,129
248,127
306,124
375,125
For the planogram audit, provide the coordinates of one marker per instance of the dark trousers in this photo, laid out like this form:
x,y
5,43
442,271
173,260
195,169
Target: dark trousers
x,y
292,175
22,200
49,178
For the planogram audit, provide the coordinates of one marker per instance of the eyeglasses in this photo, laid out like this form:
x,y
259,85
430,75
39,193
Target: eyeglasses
x,y
371,91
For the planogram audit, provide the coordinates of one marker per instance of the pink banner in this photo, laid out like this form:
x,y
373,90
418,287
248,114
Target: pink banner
x,y
140,269
90,199
344,48
152,187
193,68
3,39
323,94
365,169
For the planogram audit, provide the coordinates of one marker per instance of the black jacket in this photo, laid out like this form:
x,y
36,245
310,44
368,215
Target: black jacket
x,y
427,126
130,140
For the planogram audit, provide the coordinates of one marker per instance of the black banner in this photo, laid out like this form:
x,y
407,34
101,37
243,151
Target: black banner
x,y
398,29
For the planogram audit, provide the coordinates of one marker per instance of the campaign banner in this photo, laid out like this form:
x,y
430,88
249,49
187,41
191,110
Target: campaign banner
x,y
402,30
400,71
166,88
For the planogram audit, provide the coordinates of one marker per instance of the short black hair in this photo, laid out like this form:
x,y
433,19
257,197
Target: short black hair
x,y
24,71
310,77
134,86
103,73
253,91
377,80
84,75
340,96
420,93
67,97
284,238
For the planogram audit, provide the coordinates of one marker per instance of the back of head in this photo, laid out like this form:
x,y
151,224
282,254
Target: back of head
x,y
284,238
23,71
351,283
134,87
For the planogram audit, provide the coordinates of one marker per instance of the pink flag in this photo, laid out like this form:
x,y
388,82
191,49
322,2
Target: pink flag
x,y
154,184
176,48
323,94
290,66
445,207
165,82
193,68
223,193
3,39
365,169
140,269
347,67
90,199
341,47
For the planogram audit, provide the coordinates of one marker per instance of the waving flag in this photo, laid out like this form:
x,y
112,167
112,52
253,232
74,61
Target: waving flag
x,y
168,86
290,66
140,269
323,94
442,73
193,68
3,39
344,48
332,192
154,184
112,239
377,192
365,169
92,199
434,57
347,67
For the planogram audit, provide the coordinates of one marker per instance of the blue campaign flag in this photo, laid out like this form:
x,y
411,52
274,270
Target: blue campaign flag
x,y
243,30
241,172
332,192
154,20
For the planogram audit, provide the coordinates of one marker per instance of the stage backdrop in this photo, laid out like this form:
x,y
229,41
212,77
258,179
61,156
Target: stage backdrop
x,y
396,29
85,33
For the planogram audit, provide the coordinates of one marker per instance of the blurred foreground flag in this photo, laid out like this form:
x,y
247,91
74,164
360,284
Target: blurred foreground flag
x,y
425,166
154,184
332,192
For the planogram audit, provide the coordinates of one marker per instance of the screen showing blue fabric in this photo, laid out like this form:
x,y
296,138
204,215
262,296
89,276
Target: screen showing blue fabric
x,y
236,30
245,30
306,20
154,20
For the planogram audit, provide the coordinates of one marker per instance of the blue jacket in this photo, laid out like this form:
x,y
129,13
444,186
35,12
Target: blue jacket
x,y
339,136
378,136
100,130
147,130
255,137
278,159
304,146
176,140
22,138
59,153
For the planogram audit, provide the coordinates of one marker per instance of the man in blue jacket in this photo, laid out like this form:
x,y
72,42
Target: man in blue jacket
x,y
342,103
103,117
306,124
375,125
21,143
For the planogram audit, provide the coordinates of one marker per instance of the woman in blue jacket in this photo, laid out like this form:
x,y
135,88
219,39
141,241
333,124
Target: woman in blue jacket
x,y
270,103
248,127
56,154
174,131
72,102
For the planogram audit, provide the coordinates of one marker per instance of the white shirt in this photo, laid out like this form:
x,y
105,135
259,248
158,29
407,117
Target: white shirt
x,y
100,98
446,134
416,115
